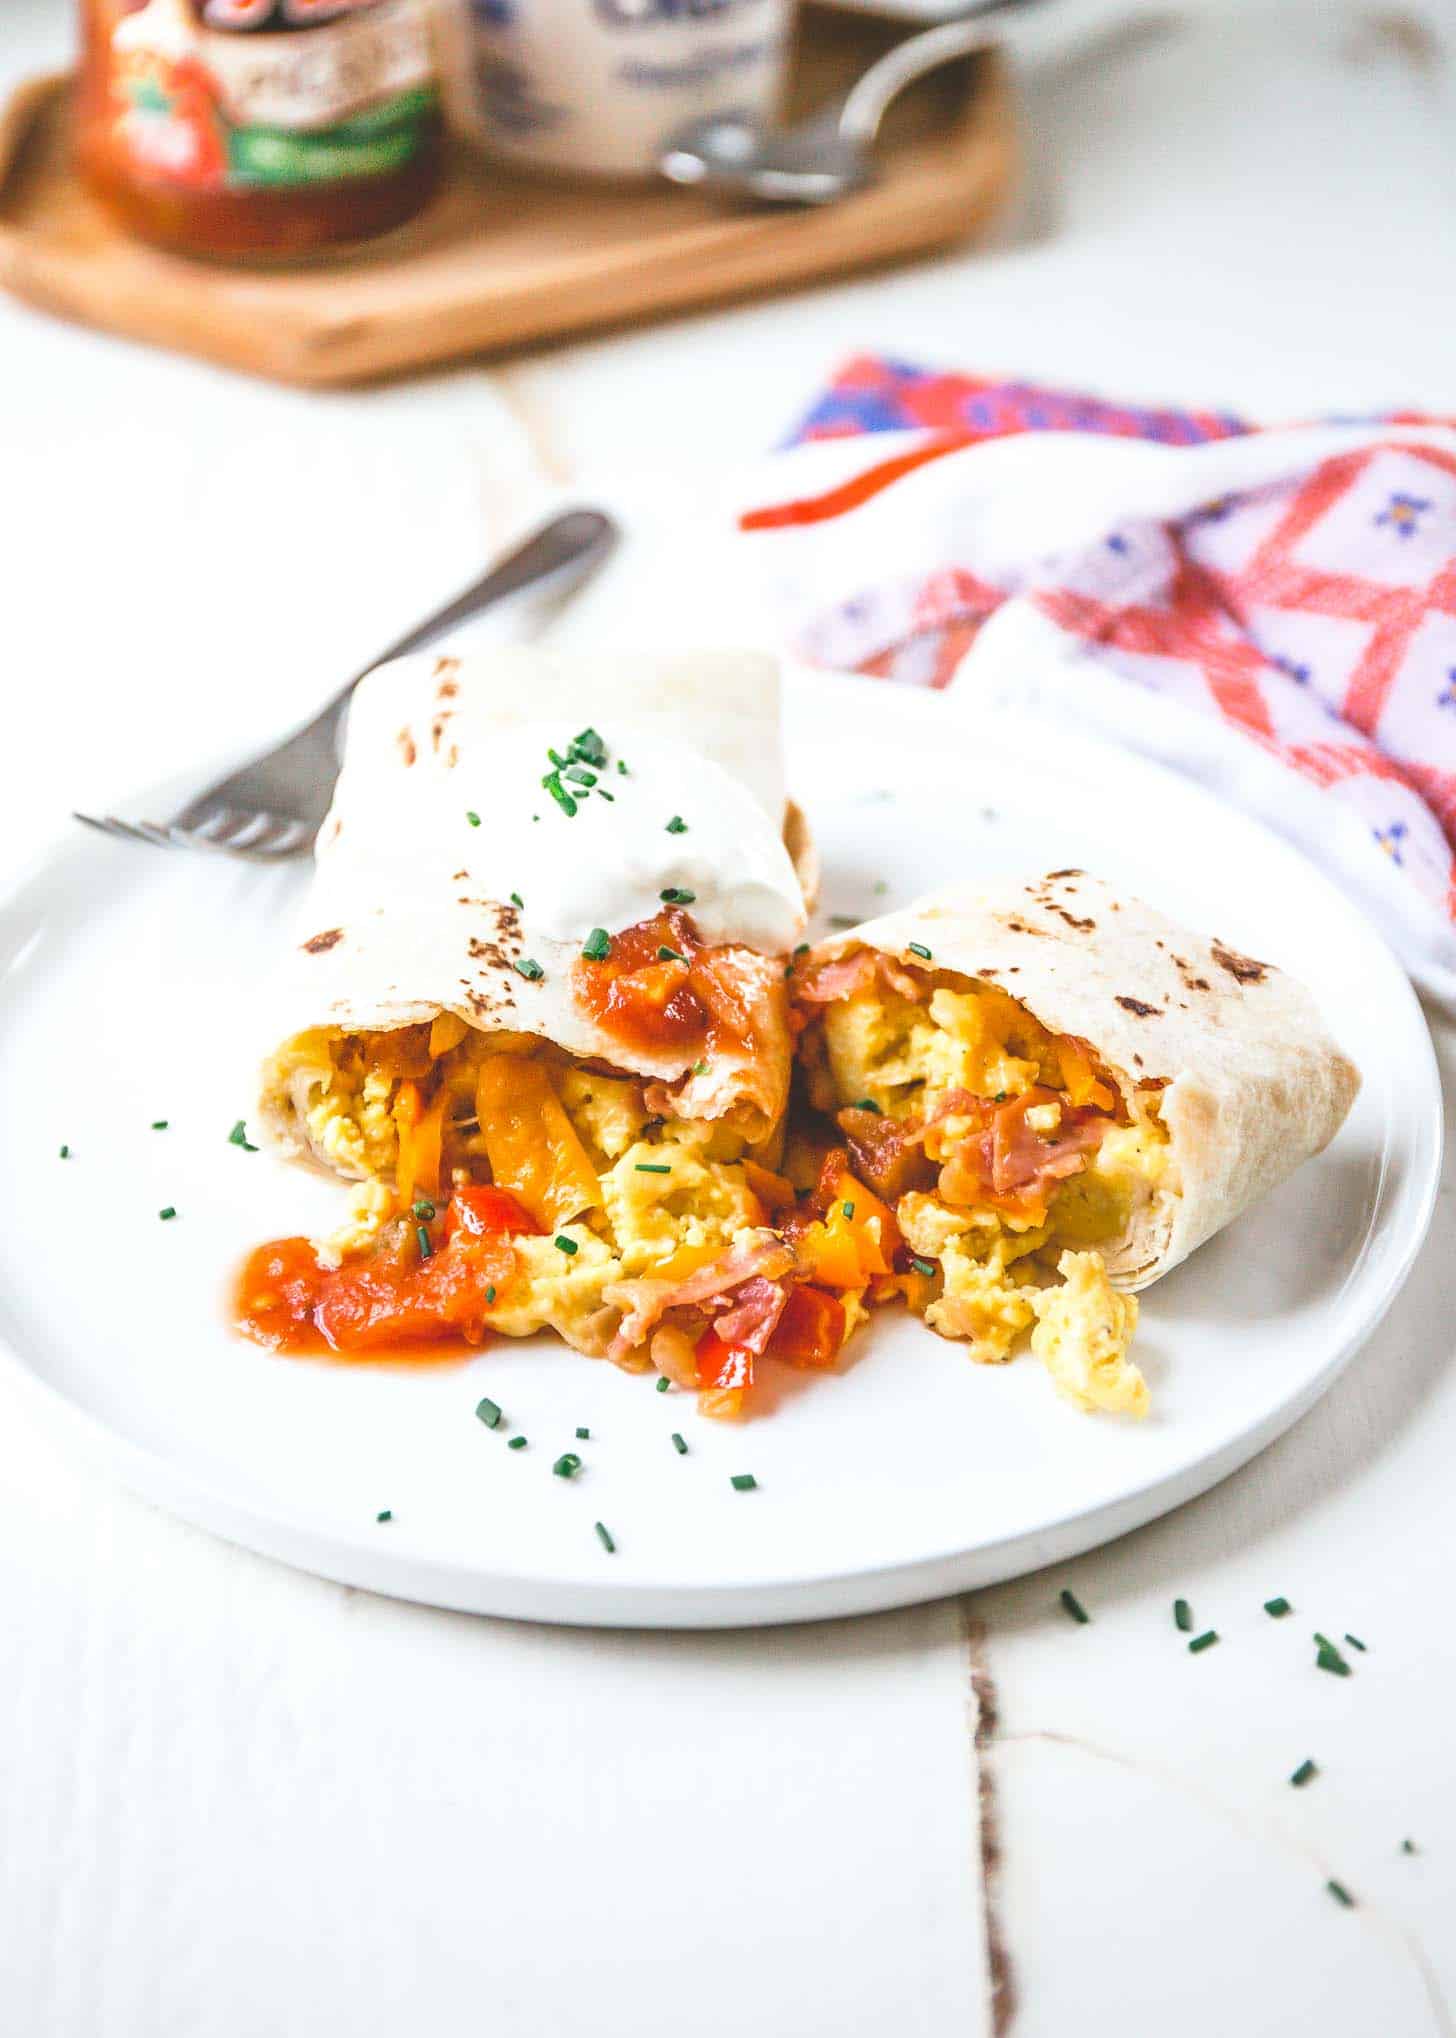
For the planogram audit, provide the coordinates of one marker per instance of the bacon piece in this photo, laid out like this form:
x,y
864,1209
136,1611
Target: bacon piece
x,y
839,978
1020,1158
754,1316
845,975
643,1302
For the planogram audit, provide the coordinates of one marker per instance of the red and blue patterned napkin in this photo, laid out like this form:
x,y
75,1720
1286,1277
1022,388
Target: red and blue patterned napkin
x,y
1192,584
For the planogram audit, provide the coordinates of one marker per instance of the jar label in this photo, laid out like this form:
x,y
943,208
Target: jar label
x,y
250,94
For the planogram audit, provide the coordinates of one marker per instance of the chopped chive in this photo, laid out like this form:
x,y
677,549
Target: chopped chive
x,y
743,1482
1340,1894
579,775
1204,1641
1277,1608
598,945
516,1444
385,1514
518,902
677,895
566,1245
558,792
526,966
567,1465
999,1098
1328,1657
423,1209
677,825
556,758
622,766
1182,1616
916,949
1303,1773
170,1211
926,1267
867,1104
589,745
682,1450
700,1068
239,1137
65,1153
843,920
663,1383
583,1434
603,794
604,1537
427,1251
1407,1846
490,1294
159,1125
1072,1605
652,1167
788,969
472,817
848,1209
666,954
489,1412
1355,1641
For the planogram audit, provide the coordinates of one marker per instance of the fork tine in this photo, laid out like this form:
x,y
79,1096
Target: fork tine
x,y
150,832
281,837
120,831
219,822
249,832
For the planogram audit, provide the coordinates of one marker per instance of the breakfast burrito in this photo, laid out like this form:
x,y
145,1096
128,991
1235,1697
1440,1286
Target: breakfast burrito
x,y
1059,1094
537,1012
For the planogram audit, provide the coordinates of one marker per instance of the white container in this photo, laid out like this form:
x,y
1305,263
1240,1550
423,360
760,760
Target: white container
x,y
594,88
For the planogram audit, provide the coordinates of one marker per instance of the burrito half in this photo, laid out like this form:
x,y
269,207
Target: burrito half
x,y
537,1010
1060,1094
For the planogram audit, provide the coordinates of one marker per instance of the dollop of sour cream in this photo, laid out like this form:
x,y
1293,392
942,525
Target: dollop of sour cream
x,y
440,802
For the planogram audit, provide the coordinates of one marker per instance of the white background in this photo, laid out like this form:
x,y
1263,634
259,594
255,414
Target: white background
x,y
234,1800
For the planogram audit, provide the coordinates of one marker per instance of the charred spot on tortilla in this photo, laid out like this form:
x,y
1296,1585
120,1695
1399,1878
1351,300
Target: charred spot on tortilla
x,y
1242,968
1138,1008
318,944
1065,873
1082,926
460,877
447,690
406,744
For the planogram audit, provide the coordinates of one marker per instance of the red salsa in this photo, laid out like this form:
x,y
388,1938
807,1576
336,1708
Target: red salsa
x,y
396,1297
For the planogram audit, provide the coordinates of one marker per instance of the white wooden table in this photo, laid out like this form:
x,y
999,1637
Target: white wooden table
x,y
236,1802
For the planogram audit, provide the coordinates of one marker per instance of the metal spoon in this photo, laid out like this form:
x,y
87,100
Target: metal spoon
x,y
831,154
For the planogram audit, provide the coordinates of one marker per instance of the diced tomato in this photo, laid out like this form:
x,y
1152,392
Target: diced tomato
x,y
721,1365
486,1213
811,1329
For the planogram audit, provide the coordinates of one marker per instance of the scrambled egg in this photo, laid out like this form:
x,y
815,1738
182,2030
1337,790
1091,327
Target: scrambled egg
x,y
1001,1274
665,1190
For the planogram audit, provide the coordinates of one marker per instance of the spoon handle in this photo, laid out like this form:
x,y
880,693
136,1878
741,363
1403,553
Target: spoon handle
x,y
1029,33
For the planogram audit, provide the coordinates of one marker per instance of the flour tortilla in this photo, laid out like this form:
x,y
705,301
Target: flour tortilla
x,y
440,816
1254,1084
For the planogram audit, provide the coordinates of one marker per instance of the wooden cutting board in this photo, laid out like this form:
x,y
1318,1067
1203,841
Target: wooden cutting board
x,y
498,260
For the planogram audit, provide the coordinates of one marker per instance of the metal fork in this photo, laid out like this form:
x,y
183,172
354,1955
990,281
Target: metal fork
x,y
275,805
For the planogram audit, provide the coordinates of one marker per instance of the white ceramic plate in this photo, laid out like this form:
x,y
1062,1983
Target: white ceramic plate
x,y
128,990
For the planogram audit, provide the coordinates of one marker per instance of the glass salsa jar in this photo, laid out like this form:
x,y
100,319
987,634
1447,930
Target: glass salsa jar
x,y
266,128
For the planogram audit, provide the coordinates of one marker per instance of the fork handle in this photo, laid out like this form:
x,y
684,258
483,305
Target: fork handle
x,y
578,538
